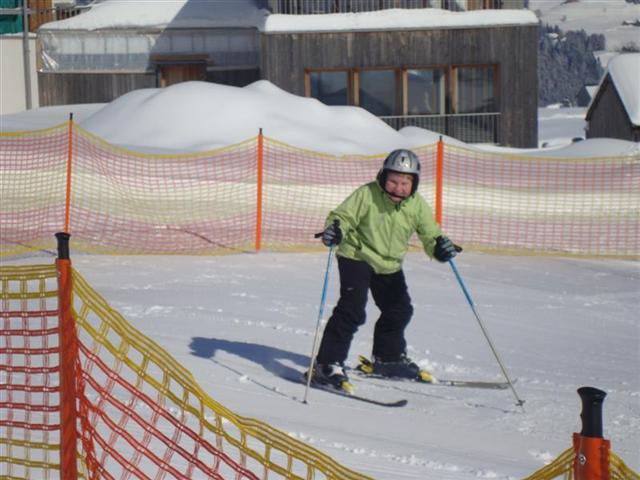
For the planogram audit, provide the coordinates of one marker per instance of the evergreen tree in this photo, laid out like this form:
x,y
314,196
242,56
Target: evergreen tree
x,y
566,62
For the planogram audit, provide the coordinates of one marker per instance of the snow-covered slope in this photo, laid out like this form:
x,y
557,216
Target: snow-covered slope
x,y
244,323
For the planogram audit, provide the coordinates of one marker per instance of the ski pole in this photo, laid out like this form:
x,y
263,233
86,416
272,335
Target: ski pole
x,y
323,300
519,402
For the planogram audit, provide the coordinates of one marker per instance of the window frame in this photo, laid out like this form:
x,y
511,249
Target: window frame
x,y
454,87
398,95
449,104
445,88
348,71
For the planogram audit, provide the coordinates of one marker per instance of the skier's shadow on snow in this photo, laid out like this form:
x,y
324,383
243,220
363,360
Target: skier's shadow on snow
x,y
270,358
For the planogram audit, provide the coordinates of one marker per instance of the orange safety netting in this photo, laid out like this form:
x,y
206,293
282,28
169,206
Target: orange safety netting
x,y
140,414
265,194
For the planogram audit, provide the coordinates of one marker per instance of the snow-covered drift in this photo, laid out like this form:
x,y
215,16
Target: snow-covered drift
x,y
197,116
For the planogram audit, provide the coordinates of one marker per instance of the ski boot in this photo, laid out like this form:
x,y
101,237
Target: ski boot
x,y
403,367
331,375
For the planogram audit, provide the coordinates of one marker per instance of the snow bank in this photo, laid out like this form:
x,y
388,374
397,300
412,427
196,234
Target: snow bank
x,y
196,116
200,116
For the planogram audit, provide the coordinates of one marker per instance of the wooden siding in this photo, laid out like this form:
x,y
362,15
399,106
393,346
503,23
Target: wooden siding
x,y
285,56
70,88
608,118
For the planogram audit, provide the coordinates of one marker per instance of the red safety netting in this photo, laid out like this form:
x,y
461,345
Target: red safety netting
x,y
581,206
30,370
136,413
263,194
301,187
33,169
126,202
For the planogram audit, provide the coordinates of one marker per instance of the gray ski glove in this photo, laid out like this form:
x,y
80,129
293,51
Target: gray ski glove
x,y
445,249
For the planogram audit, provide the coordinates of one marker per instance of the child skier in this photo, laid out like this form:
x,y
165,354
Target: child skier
x,y
372,228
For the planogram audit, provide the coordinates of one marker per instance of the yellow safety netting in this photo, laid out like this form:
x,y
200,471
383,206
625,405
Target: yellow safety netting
x,y
264,193
141,413
562,467
29,365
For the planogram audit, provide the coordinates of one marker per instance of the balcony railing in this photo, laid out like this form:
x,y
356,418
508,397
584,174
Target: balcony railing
x,y
306,7
469,128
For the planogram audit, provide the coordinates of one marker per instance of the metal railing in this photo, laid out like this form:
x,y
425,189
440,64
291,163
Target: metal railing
x,y
306,7
40,16
470,127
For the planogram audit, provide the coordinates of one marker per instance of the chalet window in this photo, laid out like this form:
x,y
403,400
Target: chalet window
x,y
330,87
443,90
425,92
376,91
474,89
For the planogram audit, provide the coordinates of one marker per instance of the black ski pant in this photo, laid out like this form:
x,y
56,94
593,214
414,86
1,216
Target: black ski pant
x,y
389,293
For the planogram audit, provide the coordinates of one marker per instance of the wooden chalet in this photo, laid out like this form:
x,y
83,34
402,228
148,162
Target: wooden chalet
x,y
615,110
459,67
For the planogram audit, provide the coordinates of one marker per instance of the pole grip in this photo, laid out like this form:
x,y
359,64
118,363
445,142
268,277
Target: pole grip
x,y
591,415
63,245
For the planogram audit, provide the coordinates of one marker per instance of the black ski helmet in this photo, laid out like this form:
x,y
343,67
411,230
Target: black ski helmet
x,y
401,161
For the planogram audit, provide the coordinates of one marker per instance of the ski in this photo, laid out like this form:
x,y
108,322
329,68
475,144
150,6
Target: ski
x,y
471,384
353,396
360,398
365,369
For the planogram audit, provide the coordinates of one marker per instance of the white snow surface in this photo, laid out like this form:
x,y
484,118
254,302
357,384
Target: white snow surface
x,y
625,74
244,323
197,116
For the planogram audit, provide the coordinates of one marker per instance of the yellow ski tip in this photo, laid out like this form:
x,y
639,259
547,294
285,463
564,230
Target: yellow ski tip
x,y
347,387
427,377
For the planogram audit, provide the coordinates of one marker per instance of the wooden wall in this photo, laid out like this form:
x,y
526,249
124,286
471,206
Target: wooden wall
x,y
608,118
70,88
285,56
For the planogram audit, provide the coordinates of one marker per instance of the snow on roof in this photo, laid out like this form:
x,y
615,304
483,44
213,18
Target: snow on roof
x,y
117,14
624,71
397,19
591,89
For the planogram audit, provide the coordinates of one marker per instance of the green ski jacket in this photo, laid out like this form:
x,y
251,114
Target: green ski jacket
x,y
377,231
